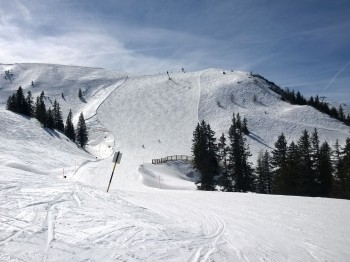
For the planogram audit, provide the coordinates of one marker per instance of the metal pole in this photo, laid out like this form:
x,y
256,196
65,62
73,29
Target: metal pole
x,y
110,181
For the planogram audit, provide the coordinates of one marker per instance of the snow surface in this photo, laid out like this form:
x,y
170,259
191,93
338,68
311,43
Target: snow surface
x,y
44,217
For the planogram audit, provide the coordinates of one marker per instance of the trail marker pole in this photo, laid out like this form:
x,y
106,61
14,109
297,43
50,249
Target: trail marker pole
x,y
116,159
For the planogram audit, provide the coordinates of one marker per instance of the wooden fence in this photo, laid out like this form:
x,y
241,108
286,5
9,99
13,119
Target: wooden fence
x,y
171,158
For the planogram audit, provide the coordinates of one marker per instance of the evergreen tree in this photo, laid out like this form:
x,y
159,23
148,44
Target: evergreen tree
x,y
205,154
334,113
308,184
278,161
341,113
50,122
311,102
341,185
290,183
11,103
21,106
259,170
17,103
346,168
347,121
80,94
222,154
57,115
198,147
245,127
264,174
29,104
325,177
315,156
40,109
240,170
69,128
82,135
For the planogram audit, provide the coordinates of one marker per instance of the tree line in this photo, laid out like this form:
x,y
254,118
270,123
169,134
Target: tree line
x,y
296,98
49,118
302,168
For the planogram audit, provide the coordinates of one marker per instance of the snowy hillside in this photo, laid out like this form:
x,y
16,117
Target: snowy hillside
x,y
46,217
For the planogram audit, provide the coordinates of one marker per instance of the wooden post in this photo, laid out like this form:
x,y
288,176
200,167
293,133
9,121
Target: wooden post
x,y
116,159
110,181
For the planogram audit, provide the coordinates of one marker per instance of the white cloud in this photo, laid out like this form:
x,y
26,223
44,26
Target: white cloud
x,y
89,48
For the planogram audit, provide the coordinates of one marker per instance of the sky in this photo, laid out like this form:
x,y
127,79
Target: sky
x,y
300,44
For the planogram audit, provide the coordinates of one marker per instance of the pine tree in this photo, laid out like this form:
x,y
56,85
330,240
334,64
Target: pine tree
x,y
58,116
264,174
259,170
69,128
211,158
29,104
278,161
40,109
245,127
50,122
341,185
268,172
11,103
240,170
346,168
80,94
222,154
341,113
308,184
325,177
82,135
205,154
315,156
290,183
347,121
21,102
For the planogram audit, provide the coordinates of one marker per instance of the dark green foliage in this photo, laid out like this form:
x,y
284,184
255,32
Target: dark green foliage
x,y
308,169
222,154
325,177
11,103
57,116
21,102
81,133
69,130
279,163
264,174
50,122
240,176
298,99
307,185
341,113
29,105
245,127
18,103
80,94
40,109
205,153
291,178
341,186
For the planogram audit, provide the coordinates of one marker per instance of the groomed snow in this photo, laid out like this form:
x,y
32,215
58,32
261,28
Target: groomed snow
x,y
153,212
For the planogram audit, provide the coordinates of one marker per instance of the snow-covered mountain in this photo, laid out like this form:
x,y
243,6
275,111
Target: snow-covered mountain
x,y
45,217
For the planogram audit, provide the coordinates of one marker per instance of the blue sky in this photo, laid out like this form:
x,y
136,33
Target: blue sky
x,y
301,44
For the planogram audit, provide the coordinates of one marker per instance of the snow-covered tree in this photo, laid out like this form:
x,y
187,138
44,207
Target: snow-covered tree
x,y
81,132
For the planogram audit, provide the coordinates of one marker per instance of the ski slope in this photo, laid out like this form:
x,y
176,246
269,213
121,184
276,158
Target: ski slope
x,y
153,212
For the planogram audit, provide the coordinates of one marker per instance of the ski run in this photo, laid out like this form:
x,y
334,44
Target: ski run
x,y
153,212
